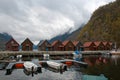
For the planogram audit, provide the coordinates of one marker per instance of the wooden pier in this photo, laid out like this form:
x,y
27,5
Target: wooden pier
x,y
5,54
9,68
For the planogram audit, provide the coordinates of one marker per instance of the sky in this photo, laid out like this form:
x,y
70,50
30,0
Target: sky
x,y
44,19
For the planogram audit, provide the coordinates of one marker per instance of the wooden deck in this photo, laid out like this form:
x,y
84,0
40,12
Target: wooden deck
x,y
4,54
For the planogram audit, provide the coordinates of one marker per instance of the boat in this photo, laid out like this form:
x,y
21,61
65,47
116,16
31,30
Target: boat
x,y
77,55
19,65
56,65
30,66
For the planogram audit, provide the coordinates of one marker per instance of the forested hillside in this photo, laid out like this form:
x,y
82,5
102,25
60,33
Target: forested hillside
x,y
104,24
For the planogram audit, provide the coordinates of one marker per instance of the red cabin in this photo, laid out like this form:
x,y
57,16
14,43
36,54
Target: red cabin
x,y
99,45
68,45
57,46
27,45
89,46
12,45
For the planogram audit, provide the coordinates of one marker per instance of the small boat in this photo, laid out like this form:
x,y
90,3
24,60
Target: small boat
x,y
77,55
56,65
30,66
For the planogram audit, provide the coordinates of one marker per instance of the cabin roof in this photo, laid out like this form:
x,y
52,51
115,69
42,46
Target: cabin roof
x,y
75,43
53,43
97,43
27,39
43,41
65,42
87,44
105,43
12,39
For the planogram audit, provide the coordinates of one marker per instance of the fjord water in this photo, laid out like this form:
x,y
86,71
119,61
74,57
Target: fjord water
x,y
107,65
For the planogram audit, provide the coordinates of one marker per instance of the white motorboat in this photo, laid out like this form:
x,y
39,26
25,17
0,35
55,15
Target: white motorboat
x,y
57,65
30,66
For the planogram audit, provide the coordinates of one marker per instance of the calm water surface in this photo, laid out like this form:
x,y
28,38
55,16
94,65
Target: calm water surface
x,y
107,65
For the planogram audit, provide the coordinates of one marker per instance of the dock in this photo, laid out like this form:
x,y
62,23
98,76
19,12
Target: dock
x,y
4,54
9,68
82,64
19,65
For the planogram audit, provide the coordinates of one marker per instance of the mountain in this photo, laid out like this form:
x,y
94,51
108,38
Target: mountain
x,y
4,37
104,24
74,34
68,35
60,37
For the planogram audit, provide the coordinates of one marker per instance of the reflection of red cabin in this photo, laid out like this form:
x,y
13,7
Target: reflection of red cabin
x,y
27,45
57,46
99,45
68,45
107,45
89,46
12,45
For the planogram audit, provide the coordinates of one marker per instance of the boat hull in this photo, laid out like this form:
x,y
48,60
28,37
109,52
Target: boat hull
x,y
56,65
30,66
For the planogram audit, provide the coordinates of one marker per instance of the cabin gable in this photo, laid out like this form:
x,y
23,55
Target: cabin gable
x,y
44,46
27,45
57,46
12,45
68,46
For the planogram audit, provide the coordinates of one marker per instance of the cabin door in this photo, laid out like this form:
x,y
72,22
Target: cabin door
x,y
27,48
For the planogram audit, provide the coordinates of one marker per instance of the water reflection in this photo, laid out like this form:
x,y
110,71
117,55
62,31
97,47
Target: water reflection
x,y
109,66
115,59
96,60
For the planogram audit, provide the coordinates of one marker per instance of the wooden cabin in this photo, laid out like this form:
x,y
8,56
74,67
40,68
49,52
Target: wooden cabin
x,y
107,46
44,46
27,45
57,46
12,45
78,45
99,45
68,45
89,46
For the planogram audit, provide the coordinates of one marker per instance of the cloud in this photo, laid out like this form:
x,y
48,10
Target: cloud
x,y
44,19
